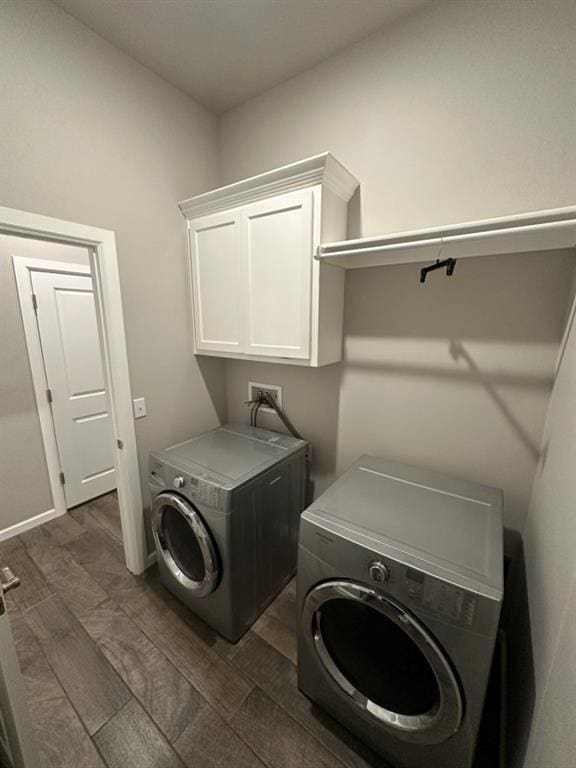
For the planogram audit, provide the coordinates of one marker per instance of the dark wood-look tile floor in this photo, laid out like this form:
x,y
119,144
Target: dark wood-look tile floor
x,y
119,673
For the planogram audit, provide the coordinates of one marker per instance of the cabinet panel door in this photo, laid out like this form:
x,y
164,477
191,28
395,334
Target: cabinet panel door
x,y
277,245
216,283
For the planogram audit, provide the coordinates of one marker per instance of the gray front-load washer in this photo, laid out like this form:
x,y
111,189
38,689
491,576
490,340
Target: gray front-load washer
x,y
399,589
225,516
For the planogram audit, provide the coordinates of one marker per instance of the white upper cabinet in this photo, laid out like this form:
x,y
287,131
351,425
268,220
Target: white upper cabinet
x,y
257,291
278,275
216,279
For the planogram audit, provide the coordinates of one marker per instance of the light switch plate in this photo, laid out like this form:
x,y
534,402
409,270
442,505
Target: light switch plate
x,y
139,406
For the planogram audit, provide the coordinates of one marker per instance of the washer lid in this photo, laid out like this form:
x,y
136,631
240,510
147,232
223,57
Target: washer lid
x,y
234,453
451,524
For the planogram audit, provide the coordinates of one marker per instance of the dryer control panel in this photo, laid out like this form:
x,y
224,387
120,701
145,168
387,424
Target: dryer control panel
x,y
412,587
439,597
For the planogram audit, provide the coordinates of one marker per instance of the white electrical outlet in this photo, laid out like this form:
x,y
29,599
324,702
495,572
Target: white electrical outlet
x,y
139,406
254,388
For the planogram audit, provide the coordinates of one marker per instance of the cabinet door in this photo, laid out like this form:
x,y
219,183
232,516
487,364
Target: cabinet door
x,y
277,268
216,282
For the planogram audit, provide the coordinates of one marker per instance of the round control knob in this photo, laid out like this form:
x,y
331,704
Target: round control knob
x,y
178,482
379,572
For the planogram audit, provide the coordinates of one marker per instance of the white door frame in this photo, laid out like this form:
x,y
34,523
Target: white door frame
x,y
101,244
24,268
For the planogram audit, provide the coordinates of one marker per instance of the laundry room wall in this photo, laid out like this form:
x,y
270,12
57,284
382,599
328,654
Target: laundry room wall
x,y
21,449
542,645
458,112
89,135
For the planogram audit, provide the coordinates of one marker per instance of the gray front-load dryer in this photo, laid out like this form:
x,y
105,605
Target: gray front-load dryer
x,y
225,515
399,590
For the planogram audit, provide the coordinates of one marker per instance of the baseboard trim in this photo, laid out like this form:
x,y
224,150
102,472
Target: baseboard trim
x,y
32,522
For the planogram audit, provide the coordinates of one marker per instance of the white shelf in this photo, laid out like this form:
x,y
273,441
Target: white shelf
x,y
524,232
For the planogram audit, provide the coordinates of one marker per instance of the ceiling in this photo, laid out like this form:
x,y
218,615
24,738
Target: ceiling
x,y
223,52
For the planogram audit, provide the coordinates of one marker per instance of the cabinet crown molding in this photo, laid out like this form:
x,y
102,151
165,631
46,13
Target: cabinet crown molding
x,y
321,169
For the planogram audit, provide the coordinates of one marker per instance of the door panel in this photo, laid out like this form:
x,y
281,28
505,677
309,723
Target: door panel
x,y
79,339
72,355
277,246
216,283
17,748
91,436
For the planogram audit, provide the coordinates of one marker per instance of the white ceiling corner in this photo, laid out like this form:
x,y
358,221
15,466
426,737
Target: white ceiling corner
x,y
223,52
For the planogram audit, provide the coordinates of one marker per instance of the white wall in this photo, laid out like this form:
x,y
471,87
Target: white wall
x,y
547,691
455,374
21,449
461,111
87,134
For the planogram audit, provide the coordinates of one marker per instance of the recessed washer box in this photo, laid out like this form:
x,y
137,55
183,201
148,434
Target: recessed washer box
x,y
254,388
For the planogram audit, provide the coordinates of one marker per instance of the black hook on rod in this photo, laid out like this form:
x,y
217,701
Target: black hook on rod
x,y
448,263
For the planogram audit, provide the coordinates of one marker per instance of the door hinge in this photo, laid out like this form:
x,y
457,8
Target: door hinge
x,y
120,444
49,395
34,302
62,479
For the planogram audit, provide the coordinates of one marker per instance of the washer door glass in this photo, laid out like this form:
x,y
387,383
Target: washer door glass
x,y
383,659
184,543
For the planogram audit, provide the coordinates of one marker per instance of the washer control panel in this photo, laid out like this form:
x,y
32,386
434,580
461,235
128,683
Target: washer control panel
x,y
198,489
207,494
203,493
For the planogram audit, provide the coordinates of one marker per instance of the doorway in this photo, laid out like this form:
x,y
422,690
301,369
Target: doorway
x,y
66,364
74,330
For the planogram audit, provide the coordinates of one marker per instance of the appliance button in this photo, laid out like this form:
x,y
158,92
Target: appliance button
x,y
378,572
178,482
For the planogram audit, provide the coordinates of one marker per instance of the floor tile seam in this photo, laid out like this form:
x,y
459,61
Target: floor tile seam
x,y
169,744
57,676
299,725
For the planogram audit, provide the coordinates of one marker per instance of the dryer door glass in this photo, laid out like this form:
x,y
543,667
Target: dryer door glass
x,y
385,660
357,637
184,543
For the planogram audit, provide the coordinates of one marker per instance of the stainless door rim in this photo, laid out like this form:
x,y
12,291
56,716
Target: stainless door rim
x,y
431,727
206,585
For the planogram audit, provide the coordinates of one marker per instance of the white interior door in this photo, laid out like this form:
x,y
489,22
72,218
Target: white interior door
x,y
277,244
17,748
216,283
68,330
